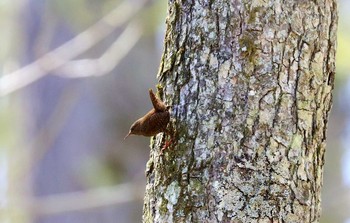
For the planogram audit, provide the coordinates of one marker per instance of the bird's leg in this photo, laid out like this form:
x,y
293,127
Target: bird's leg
x,y
169,142
166,145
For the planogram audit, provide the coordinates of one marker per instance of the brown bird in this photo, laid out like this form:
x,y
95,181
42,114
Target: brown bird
x,y
154,122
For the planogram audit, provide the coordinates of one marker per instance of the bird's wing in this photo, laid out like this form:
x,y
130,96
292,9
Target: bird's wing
x,y
158,121
157,103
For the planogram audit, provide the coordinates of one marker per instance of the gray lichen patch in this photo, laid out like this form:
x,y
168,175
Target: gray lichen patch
x,y
172,194
230,203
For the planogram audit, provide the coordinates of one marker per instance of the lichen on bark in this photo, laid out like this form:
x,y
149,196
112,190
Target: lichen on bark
x,y
251,87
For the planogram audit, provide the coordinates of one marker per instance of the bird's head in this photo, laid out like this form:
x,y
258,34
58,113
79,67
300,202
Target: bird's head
x,y
134,129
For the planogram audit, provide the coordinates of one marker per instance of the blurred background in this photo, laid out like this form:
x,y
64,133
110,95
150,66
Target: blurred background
x,y
78,77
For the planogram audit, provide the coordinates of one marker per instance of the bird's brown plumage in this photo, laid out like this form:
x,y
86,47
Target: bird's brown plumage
x,y
154,122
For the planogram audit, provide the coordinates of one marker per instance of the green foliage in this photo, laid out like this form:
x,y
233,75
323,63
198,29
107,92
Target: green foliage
x,y
8,125
343,53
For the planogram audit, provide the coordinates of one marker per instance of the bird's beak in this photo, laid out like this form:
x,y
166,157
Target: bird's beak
x,y
127,135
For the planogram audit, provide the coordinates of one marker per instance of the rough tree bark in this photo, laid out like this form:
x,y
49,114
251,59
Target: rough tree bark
x,y
251,83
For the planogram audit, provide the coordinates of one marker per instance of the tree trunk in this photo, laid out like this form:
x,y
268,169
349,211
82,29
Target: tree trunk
x,y
251,87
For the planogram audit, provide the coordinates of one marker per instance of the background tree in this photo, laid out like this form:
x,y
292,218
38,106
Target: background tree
x,y
251,83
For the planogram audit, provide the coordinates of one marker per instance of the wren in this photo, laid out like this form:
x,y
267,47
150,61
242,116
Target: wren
x,y
154,122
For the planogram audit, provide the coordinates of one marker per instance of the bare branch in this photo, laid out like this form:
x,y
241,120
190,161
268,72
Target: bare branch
x,y
77,201
108,61
69,50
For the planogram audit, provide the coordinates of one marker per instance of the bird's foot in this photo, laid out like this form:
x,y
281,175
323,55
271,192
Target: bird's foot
x,y
171,133
166,145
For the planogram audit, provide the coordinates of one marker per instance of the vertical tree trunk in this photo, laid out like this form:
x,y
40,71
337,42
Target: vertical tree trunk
x,y
251,84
